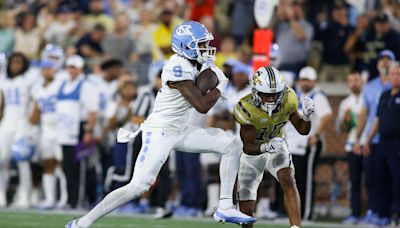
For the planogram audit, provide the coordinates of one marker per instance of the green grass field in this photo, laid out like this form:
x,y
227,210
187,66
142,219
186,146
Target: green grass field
x,y
57,219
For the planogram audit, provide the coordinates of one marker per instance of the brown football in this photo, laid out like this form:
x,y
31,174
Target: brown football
x,y
206,81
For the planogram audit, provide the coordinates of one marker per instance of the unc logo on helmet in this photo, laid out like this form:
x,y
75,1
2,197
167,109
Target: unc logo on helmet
x,y
55,54
23,149
269,84
191,40
184,30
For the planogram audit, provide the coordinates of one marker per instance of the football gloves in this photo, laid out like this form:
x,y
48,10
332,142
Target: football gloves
x,y
308,108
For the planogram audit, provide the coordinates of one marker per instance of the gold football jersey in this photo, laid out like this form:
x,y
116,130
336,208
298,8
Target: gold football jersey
x,y
268,127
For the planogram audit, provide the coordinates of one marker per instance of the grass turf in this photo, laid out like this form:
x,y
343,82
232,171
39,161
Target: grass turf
x,y
31,219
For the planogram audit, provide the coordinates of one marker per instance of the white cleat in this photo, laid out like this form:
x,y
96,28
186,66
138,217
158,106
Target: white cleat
x,y
232,215
74,224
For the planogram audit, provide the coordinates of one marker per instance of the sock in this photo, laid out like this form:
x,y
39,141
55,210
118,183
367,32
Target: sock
x,y
63,186
228,170
25,180
112,201
49,184
4,174
212,195
225,203
144,201
35,196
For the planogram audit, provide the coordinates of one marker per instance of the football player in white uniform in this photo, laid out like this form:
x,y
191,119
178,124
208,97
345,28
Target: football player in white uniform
x,y
45,96
166,128
14,89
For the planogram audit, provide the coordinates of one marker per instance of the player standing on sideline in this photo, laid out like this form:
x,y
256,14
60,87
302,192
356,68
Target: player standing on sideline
x,y
13,112
262,115
166,128
45,96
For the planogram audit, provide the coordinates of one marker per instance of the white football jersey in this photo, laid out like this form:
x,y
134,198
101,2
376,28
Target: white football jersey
x,y
16,93
46,98
171,110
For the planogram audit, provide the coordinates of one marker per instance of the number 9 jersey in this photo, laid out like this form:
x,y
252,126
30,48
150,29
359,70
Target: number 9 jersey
x,y
267,126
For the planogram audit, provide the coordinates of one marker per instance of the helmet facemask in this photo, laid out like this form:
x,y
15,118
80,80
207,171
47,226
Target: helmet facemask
x,y
204,52
268,107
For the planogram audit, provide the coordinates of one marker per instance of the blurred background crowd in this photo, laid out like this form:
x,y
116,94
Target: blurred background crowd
x,y
115,49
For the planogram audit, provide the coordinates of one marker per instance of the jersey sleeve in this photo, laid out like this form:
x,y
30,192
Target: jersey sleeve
x,y
241,114
178,69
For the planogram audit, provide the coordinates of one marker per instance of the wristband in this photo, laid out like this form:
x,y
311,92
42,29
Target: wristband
x,y
306,118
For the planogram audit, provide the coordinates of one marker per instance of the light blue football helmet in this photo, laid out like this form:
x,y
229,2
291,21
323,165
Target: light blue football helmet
x,y
186,38
23,149
55,54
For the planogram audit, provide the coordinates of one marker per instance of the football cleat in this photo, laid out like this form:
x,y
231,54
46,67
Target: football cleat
x,y
233,215
74,224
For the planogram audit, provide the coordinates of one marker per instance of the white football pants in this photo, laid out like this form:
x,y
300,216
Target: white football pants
x,y
156,146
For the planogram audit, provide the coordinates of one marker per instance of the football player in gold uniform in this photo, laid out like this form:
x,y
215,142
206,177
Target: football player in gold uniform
x,y
262,115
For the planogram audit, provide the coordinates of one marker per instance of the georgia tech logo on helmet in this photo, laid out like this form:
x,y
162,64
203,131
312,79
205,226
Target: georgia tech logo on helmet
x,y
184,30
256,78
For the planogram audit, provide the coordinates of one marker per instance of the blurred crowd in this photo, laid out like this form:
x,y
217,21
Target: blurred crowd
x,y
102,60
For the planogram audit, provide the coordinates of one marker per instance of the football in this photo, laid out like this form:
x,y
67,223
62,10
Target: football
x,y
206,81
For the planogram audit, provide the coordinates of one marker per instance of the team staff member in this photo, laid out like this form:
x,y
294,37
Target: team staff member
x,y
349,109
388,127
371,94
76,109
307,149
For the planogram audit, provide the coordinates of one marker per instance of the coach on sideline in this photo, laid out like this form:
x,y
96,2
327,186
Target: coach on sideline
x,y
387,125
76,109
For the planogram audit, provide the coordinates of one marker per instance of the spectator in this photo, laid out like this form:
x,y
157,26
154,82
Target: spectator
x,y
336,62
97,16
27,30
354,44
371,94
144,46
76,110
89,46
306,150
383,37
168,21
392,10
242,19
227,51
7,25
209,22
293,35
240,85
59,31
118,44
200,9
135,10
389,132
349,109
